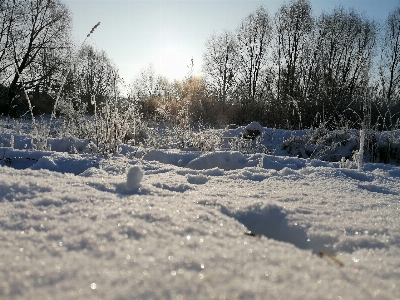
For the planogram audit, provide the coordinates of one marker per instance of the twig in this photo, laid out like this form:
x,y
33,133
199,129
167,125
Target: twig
x,y
252,234
331,256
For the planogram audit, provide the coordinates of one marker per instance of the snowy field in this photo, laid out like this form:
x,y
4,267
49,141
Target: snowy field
x,y
195,225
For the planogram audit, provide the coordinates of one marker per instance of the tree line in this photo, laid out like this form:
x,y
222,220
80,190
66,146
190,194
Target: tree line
x,y
287,70
294,70
290,70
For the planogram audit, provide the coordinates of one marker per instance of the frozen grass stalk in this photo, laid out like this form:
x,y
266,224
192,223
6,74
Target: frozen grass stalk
x,y
53,114
93,102
361,151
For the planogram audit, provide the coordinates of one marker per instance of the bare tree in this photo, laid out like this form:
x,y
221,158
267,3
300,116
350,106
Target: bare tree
x,y
253,41
294,24
94,75
146,85
319,69
389,69
345,47
147,88
218,63
7,12
38,28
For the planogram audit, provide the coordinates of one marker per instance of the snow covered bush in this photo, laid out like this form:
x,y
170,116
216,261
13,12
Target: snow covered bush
x,y
333,145
112,125
322,144
248,140
296,146
388,147
253,130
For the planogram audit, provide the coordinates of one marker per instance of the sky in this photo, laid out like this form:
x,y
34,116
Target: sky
x,y
167,34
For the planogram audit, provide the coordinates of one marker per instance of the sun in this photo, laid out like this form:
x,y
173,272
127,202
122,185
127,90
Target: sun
x,y
173,62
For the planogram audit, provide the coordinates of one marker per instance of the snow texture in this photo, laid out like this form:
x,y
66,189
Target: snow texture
x,y
192,225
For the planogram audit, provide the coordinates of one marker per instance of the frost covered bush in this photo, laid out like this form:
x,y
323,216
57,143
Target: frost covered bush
x,y
248,146
344,146
75,122
112,125
198,139
388,147
207,141
296,146
322,144
202,139
333,145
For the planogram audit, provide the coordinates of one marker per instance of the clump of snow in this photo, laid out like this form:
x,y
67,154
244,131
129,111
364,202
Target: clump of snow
x,y
253,126
133,181
134,177
197,179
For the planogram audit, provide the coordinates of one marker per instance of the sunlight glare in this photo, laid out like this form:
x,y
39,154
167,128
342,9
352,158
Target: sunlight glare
x,y
173,62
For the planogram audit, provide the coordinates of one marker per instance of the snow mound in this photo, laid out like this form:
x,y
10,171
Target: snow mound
x,y
197,179
21,159
230,160
66,163
223,160
175,158
272,221
253,126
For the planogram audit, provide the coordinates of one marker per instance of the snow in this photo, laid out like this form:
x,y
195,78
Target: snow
x,y
194,225
255,126
133,178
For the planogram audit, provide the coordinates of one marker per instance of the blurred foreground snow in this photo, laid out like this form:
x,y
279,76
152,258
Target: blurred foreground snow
x,y
177,227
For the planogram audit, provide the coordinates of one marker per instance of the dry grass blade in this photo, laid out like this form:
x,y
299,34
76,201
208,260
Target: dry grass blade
x,y
93,29
330,256
252,234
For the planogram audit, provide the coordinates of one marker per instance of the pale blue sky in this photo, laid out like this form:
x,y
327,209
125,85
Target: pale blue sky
x,y
167,33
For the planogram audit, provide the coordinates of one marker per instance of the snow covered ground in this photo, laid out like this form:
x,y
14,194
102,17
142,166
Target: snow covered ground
x,y
195,225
